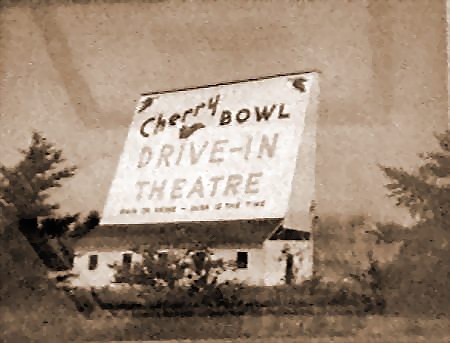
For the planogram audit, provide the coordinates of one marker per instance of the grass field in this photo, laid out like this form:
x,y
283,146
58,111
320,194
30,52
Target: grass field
x,y
35,325
33,310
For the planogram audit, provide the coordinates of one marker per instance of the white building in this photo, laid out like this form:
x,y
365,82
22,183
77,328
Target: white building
x,y
265,253
207,167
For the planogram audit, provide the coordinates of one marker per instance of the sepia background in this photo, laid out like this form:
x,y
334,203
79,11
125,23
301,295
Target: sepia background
x,y
75,71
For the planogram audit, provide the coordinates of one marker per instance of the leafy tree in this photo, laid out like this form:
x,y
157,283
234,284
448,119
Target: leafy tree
x,y
189,279
204,269
194,268
154,269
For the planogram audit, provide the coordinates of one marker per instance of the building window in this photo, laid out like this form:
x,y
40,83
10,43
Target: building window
x,y
93,262
201,255
163,254
242,259
126,260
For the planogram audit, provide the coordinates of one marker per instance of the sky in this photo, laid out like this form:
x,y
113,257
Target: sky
x,y
74,72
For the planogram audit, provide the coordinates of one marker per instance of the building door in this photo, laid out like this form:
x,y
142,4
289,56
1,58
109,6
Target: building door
x,y
289,274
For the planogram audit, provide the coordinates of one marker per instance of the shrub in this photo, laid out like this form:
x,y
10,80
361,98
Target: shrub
x,y
236,299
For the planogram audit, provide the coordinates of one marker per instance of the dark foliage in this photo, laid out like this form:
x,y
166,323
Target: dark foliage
x,y
186,285
90,222
25,203
418,281
57,226
313,297
197,268
24,187
425,193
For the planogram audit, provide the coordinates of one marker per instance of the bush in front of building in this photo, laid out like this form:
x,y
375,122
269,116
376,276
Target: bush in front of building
x,y
172,280
312,297
197,269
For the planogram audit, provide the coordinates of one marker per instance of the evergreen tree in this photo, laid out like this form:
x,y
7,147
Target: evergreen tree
x,y
24,203
89,223
24,187
25,209
66,229
418,280
426,193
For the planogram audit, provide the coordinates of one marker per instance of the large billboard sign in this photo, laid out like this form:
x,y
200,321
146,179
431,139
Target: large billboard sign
x,y
223,152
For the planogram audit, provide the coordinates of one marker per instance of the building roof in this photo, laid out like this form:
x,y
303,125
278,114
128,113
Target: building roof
x,y
219,234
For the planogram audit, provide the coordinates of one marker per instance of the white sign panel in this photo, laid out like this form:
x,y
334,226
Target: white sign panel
x,y
225,152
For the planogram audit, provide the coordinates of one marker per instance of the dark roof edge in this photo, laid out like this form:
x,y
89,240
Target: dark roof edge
x,y
229,82
190,223
182,230
275,229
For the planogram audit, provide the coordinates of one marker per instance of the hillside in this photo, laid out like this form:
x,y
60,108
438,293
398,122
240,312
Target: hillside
x,y
30,305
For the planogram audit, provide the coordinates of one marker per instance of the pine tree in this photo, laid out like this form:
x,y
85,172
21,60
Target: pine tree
x,y
24,200
426,193
420,276
25,209
24,187
89,223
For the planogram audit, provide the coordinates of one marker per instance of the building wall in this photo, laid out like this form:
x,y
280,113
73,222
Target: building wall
x,y
253,274
266,266
101,276
303,192
275,261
